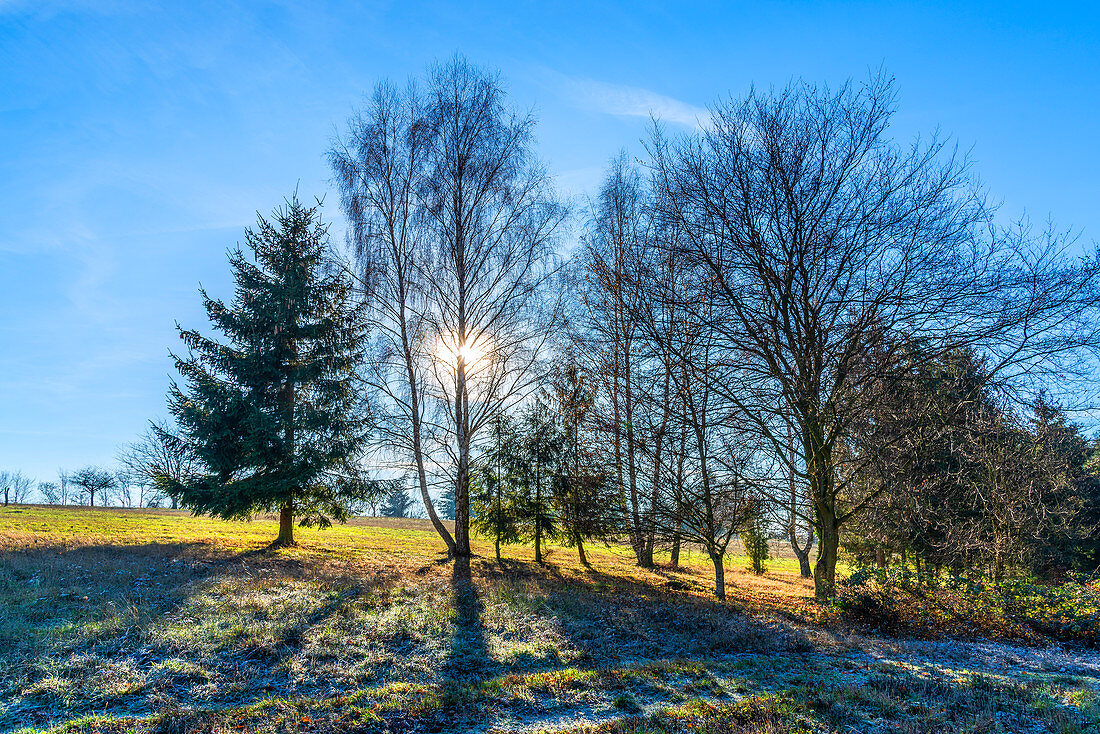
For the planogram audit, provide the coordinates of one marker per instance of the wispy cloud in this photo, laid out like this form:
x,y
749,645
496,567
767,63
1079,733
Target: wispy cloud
x,y
42,9
626,101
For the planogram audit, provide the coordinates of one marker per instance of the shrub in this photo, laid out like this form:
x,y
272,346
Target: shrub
x,y
755,540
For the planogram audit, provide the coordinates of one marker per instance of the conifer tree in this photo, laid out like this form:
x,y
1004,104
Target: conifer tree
x,y
496,499
397,502
584,495
447,504
540,448
754,537
272,413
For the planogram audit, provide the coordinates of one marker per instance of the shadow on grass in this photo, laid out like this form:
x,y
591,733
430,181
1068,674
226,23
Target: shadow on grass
x,y
135,629
75,651
612,619
756,695
86,629
468,655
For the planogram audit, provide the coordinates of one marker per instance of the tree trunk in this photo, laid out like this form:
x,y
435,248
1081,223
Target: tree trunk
x,y
418,448
429,506
658,453
580,550
825,568
821,471
286,525
497,545
462,478
286,512
880,557
538,519
617,433
719,576
803,556
678,489
637,535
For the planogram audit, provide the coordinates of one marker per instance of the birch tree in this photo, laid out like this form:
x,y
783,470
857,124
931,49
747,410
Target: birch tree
x,y
454,222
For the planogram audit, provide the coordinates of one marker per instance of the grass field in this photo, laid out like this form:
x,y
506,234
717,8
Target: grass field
x,y
126,620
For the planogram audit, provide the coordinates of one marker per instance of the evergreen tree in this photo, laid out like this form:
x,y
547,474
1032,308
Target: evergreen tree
x,y
397,503
754,537
540,449
962,481
585,503
1062,464
584,495
272,414
496,512
447,504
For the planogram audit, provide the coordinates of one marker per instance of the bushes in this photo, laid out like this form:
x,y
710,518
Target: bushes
x,y
1065,611
889,601
755,540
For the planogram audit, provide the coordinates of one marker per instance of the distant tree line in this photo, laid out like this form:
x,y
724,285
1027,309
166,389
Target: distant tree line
x,y
91,485
782,325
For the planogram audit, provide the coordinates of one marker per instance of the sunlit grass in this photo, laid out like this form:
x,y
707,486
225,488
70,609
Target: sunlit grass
x,y
158,621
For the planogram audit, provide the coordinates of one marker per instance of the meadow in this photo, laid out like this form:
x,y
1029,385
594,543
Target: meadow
x,y
157,621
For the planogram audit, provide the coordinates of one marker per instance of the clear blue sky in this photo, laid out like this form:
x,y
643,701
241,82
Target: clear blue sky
x,y
137,142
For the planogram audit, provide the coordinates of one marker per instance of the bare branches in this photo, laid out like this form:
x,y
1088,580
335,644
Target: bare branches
x,y
833,249
453,221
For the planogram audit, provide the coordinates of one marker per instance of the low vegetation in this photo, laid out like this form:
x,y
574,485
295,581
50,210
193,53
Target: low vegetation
x,y
156,621
1017,609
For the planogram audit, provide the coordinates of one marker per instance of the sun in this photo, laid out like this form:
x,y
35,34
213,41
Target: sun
x,y
472,351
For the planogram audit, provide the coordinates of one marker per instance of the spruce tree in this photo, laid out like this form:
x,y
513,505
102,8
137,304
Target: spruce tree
x,y
496,512
540,449
447,504
584,495
754,537
397,502
272,413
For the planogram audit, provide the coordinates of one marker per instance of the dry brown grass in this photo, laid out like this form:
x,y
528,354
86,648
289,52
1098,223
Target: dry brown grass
x,y
132,611
156,621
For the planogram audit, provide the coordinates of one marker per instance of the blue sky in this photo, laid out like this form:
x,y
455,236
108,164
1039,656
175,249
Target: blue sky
x,y
136,141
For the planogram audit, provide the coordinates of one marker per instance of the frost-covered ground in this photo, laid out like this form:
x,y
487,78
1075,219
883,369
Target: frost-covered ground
x,y
147,621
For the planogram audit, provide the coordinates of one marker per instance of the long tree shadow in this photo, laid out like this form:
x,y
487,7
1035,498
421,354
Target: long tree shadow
x,y
83,617
468,656
613,619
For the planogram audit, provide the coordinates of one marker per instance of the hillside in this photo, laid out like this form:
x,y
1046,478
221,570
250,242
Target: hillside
x,y
150,620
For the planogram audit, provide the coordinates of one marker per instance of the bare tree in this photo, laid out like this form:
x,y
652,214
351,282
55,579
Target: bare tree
x,y
822,237
93,480
455,218
493,221
796,515
158,459
64,484
380,165
51,492
612,338
124,488
714,494
16,486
